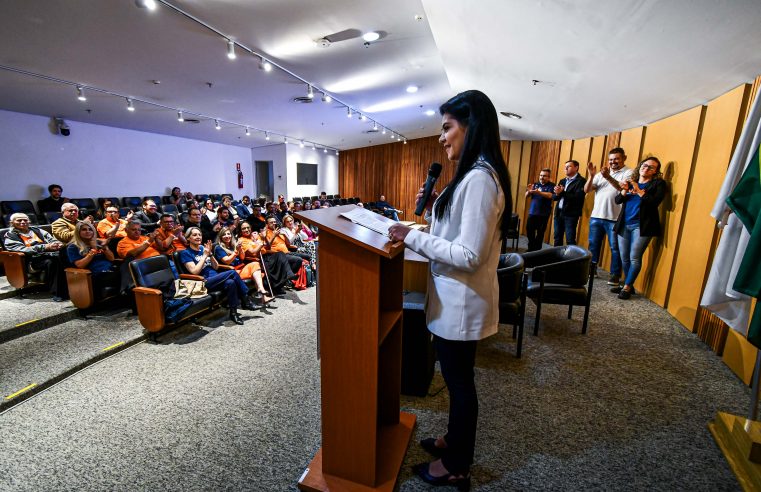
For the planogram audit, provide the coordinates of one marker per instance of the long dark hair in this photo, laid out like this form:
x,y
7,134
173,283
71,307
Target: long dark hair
x,y
474,111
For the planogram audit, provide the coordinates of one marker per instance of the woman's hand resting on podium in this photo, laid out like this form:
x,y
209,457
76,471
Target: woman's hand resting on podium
x,y
398,232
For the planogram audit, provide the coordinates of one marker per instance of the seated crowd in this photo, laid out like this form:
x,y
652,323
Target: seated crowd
x,y
227,243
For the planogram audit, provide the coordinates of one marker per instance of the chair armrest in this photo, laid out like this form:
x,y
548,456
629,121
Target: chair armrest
x,y
14,263
187,276
225,267
150,308
80,287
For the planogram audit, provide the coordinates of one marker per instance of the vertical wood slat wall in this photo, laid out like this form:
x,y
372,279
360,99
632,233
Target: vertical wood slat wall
x,y
694,147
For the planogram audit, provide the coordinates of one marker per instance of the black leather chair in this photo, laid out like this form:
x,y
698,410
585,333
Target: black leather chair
x,y
84,293
51,217
512,295
166,199
513,232
85,204
215,197
132,202
14,263
152,276
560,275
157,200
226,194
200,198
13,206
171,209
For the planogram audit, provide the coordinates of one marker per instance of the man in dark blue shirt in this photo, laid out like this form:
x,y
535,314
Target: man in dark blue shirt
x,y
540,209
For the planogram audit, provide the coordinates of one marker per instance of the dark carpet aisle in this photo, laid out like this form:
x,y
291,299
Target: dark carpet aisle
x,y
225,407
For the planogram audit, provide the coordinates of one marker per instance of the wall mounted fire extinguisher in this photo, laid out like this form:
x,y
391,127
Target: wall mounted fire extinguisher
x,y
240,177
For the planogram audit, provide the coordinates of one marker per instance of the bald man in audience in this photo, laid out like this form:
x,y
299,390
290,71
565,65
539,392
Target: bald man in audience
x,y
42,252
112,226
63,228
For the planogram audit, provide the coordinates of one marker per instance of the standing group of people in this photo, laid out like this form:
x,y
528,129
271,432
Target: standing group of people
x,y
625,211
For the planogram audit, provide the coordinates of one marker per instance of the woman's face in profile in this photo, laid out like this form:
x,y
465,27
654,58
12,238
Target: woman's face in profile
x,y
452,137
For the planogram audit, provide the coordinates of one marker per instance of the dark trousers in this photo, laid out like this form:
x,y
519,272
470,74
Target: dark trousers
x,y
230,282
52,267
565,225
536,225
295,260
457,359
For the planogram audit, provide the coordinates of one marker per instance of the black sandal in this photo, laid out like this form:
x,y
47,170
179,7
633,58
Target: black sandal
x,y
448,480
429,444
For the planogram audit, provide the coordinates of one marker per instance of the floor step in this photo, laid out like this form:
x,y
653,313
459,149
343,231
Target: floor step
x,y
20,316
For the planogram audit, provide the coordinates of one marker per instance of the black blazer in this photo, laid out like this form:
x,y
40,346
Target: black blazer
x,y
573,196
649,217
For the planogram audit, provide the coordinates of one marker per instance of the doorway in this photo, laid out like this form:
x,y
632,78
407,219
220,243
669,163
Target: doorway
x,y
264,179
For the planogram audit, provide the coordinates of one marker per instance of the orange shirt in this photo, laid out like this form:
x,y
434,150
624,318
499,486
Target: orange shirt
x,y
277,244
106,225
248,244
176,245
126,245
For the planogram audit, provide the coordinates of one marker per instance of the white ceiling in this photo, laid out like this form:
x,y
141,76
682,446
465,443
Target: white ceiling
x,y
603,65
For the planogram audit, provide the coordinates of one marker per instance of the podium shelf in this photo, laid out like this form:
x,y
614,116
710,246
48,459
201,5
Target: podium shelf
x,y
388,319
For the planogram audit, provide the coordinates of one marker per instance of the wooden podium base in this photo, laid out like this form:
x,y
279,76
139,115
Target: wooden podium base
x,y
740,446
392,446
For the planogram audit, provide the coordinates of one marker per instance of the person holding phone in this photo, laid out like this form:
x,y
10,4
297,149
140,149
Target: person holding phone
x,y
639,221
468,223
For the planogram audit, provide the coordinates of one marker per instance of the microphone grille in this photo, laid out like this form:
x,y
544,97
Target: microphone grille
x,y
434,170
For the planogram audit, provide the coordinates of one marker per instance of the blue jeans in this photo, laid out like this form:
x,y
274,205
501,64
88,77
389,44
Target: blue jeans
x,y
567,226
230,282
598,229
632,247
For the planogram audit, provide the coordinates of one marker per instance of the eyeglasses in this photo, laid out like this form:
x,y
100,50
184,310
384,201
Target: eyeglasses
x,y
112,211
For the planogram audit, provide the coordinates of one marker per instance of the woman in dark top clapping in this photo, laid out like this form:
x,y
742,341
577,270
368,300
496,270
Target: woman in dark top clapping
x,y
639,221
87,252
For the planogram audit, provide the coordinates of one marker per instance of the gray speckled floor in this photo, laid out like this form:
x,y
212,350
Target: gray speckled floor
x,y
43,355
226,407
33,306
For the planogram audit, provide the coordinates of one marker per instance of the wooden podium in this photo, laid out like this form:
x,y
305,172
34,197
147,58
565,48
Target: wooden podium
x,y
359,310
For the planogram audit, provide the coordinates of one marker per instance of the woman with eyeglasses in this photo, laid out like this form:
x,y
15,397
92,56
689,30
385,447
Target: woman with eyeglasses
x,y
639,221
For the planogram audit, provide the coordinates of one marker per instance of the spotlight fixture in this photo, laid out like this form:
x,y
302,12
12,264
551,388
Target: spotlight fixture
x,y
430,112
146,4
392,135
514,116
324,151
130,106
248,133
81,94
412,89
326,98
266,136
375,126
301,144
362,117
405,141
336,152
310,92
179,117
216,125
383,131
348,112
371,36
314,147
265,65
231,49
285,140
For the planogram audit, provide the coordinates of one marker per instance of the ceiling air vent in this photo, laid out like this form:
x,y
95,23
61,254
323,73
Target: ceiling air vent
x,y
302,100
371,130
191,120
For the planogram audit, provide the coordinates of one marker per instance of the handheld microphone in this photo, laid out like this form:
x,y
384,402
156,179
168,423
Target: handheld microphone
x,y
430,182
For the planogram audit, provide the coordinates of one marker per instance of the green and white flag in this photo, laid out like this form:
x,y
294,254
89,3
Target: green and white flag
x,y
720,297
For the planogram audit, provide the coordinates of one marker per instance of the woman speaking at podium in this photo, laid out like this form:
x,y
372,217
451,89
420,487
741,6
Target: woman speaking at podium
x,y
468,222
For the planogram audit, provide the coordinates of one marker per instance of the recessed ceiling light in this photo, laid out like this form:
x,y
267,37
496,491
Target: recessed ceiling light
x,y
514,116
371,36
146,4
81,94
412,89
265,65
231,50
418,17
430,112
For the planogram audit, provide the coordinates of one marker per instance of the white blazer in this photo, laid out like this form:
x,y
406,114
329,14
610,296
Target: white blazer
x,y
463,293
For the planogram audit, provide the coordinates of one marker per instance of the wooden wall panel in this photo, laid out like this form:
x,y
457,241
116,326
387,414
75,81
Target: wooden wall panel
x,y
673,141
631,141
543,155
599,155
505,147
721,129
581,152
514,168
394,169
523,178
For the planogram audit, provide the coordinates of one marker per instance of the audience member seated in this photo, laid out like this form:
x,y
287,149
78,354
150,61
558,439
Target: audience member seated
x,y
297,207
316,204
54,202
227,203
209,210
148,216
281,212
323,196
274,264
199,260
244,208
41,250
178,198
229,251
86,252
63,228
103,204
276,241
308,205
135,246
298,238
256,220
169,237
196,218
387,209
112,226
223,219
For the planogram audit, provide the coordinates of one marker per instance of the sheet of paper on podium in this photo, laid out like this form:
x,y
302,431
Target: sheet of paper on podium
x,y
367,219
